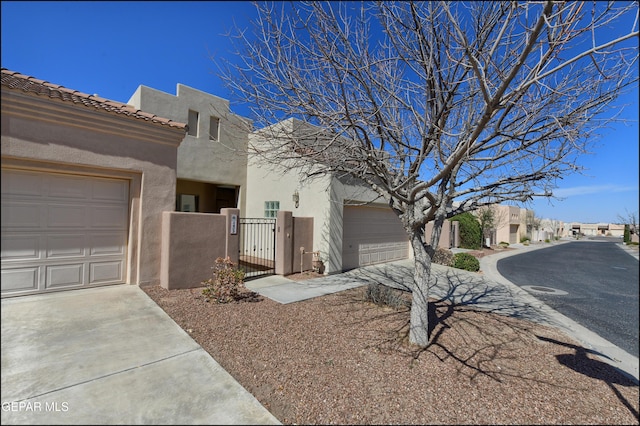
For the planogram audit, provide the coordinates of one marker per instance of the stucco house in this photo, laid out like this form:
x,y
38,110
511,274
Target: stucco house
x,y
85,181
212,158
353,225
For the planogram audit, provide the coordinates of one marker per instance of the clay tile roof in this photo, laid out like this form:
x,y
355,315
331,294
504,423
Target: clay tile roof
x,y
16,81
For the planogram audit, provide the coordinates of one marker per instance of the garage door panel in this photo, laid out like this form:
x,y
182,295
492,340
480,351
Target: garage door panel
x,y
20,247
68,187
20,214
65,246
106,272
64,275
20,279
106,244
66,216
69,233
29,184
108,217
110,191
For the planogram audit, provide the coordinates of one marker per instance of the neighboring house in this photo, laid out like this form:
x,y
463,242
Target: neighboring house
x,y
212,159
596,229
85,182
510,224
353,225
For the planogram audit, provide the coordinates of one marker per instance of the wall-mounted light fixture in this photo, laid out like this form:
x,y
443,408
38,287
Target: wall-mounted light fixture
x,y
296,198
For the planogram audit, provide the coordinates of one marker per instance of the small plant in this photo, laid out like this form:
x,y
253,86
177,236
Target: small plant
x,y
382,295
466,261
503,244
547,240
443,256
524,239
226,284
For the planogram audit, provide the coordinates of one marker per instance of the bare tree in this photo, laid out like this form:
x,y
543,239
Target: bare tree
x,y
630,219
555,226
532,223
491,219
427,103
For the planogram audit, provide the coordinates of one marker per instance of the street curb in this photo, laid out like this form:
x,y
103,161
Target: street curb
x,y
605,350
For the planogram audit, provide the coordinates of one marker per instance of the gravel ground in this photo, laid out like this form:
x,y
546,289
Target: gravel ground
x,y
338,359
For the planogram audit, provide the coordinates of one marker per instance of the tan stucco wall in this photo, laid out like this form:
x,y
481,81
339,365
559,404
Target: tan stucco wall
x,y
189,253
445,234
293,236
43,134
199,158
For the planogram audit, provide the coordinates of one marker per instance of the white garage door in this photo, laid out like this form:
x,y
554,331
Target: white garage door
x,y
62,231
372,235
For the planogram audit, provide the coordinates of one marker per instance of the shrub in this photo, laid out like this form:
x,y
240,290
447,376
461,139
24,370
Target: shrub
x,y
503,244
627,234
226,284
382,295
466,261
524,239
443,256
547,240
470,232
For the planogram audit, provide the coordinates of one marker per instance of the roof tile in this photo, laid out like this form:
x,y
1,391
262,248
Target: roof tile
x,y
16,81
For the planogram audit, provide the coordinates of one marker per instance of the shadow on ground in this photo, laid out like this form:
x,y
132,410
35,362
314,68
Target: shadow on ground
x,y
458,301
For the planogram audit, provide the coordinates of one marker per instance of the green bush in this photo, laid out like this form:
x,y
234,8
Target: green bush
x,y
443,256
503,244
524,239
470,232
547,240
466,261
627,234
227,282
382,295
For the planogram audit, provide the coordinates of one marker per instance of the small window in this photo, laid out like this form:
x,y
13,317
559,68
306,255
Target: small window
x,y
193,123
187,203
214,128
271,208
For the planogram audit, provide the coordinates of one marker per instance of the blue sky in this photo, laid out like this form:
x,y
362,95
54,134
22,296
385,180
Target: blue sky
x,y
110,48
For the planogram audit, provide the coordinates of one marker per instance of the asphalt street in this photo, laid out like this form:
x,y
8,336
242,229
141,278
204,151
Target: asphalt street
x,y
595,283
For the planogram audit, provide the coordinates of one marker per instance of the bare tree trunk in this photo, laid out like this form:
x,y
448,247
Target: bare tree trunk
x,y
419,327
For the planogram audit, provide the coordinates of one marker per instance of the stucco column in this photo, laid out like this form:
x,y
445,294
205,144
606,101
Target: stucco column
x,y
232,244
455,225
284,246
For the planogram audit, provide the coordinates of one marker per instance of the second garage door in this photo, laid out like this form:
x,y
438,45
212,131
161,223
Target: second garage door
x,y
62,231
372,235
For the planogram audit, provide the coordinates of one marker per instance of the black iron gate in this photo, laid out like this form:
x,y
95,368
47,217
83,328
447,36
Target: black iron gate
x,y
257,246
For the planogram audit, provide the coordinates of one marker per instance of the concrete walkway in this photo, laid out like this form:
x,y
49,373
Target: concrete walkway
x,y
110,355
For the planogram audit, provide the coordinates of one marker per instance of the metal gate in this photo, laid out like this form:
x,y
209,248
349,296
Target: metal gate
x,y
257,246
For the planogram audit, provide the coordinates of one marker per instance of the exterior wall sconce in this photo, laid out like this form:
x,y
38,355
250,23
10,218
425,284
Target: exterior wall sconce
x,y
296,198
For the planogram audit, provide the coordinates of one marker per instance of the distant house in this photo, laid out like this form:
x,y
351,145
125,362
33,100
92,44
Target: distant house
x,y
85,181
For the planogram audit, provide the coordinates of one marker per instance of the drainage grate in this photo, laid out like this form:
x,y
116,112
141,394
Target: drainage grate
x,y
543,290
547,289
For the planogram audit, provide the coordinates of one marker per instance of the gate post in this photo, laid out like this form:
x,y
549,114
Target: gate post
x,y
232,241
284,243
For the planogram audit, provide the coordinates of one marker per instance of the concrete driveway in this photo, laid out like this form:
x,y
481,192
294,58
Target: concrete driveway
x,y
110,355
